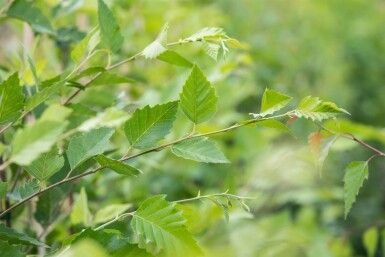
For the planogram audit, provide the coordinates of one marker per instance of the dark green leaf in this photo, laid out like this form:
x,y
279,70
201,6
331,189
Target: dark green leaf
x,y
3,190
109,27
11,99
7,250
12,237
117,166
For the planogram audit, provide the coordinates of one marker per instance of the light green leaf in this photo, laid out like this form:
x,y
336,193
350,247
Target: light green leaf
x,y
54,85
315,109
109,212
109,27
3,148
88,73
11,99
158,46
29,188
355,174
56,112
86,247
3,190
272,101
198,100
28,12
173,57
324,151
270,123
80,212
30,142
109,78
13,237
207,33
46,165
117,166
150,124
87,145
212,49
199,149
86,46
7,250
370,241
111,118
159,226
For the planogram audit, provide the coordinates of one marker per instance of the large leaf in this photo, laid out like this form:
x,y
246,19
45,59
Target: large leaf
x,y
117,166
30,142
198,100
150,124
80,212
158,46
12,237
159,226
173,57
87,145
355,174
46,165
315,109
86,46
11,99
199,149
272,101
7,250
27,11
109,27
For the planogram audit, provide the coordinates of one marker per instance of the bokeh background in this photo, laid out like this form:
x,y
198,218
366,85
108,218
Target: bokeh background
x,y
331,49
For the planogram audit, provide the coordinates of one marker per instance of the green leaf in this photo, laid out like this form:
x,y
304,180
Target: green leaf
x,y
117,166
30,142
12,237
53,87
355,174
212,49
29,188
198,100
207,33
111,118
273,101
370,240
7,250
28,12
87,145
173,57
109,212
199,149
80,212
86,46
3,190
109,78
88,72
3,148
270,123
84,248
56,112
109,28
150,124
315,109
325,148
11,99
158,46
159,225
46,165
48,206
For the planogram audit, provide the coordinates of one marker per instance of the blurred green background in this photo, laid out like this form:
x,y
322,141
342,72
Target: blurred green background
x,y
331,49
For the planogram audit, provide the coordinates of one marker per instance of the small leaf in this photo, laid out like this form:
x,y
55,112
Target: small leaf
x,y
370,241
87,145
56,112
46,165
28,12
109,28
80,212
117,166
88,73
30,142
173,57
315,141
159,226
3,190
29,188
325,148
272,101
109,212
11,99
111,118
86,46
12,237
355,174
270,123
198,100
109,78
212,49
158,46
207,33
199,149
54,85
224,208
150,124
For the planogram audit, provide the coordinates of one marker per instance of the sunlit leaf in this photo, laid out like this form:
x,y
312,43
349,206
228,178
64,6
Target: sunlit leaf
x,y
272,101
80,212
86,46
370,240
111,118
158,46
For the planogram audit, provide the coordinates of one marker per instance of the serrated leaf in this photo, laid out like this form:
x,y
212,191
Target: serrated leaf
x,y
315,141
270,123
150,124
212,49
111,118
30,142
56,112
80,212
370,240
159,226
46,165
158,46
224,208
29,188
109,27
198,100
7,250
11,99
86,46
207,33
53,86
13,237
325,148
109,78
272,101
3,190
28,12
315,109
87,145
117,166
199,149
355,174
109,212
173,57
